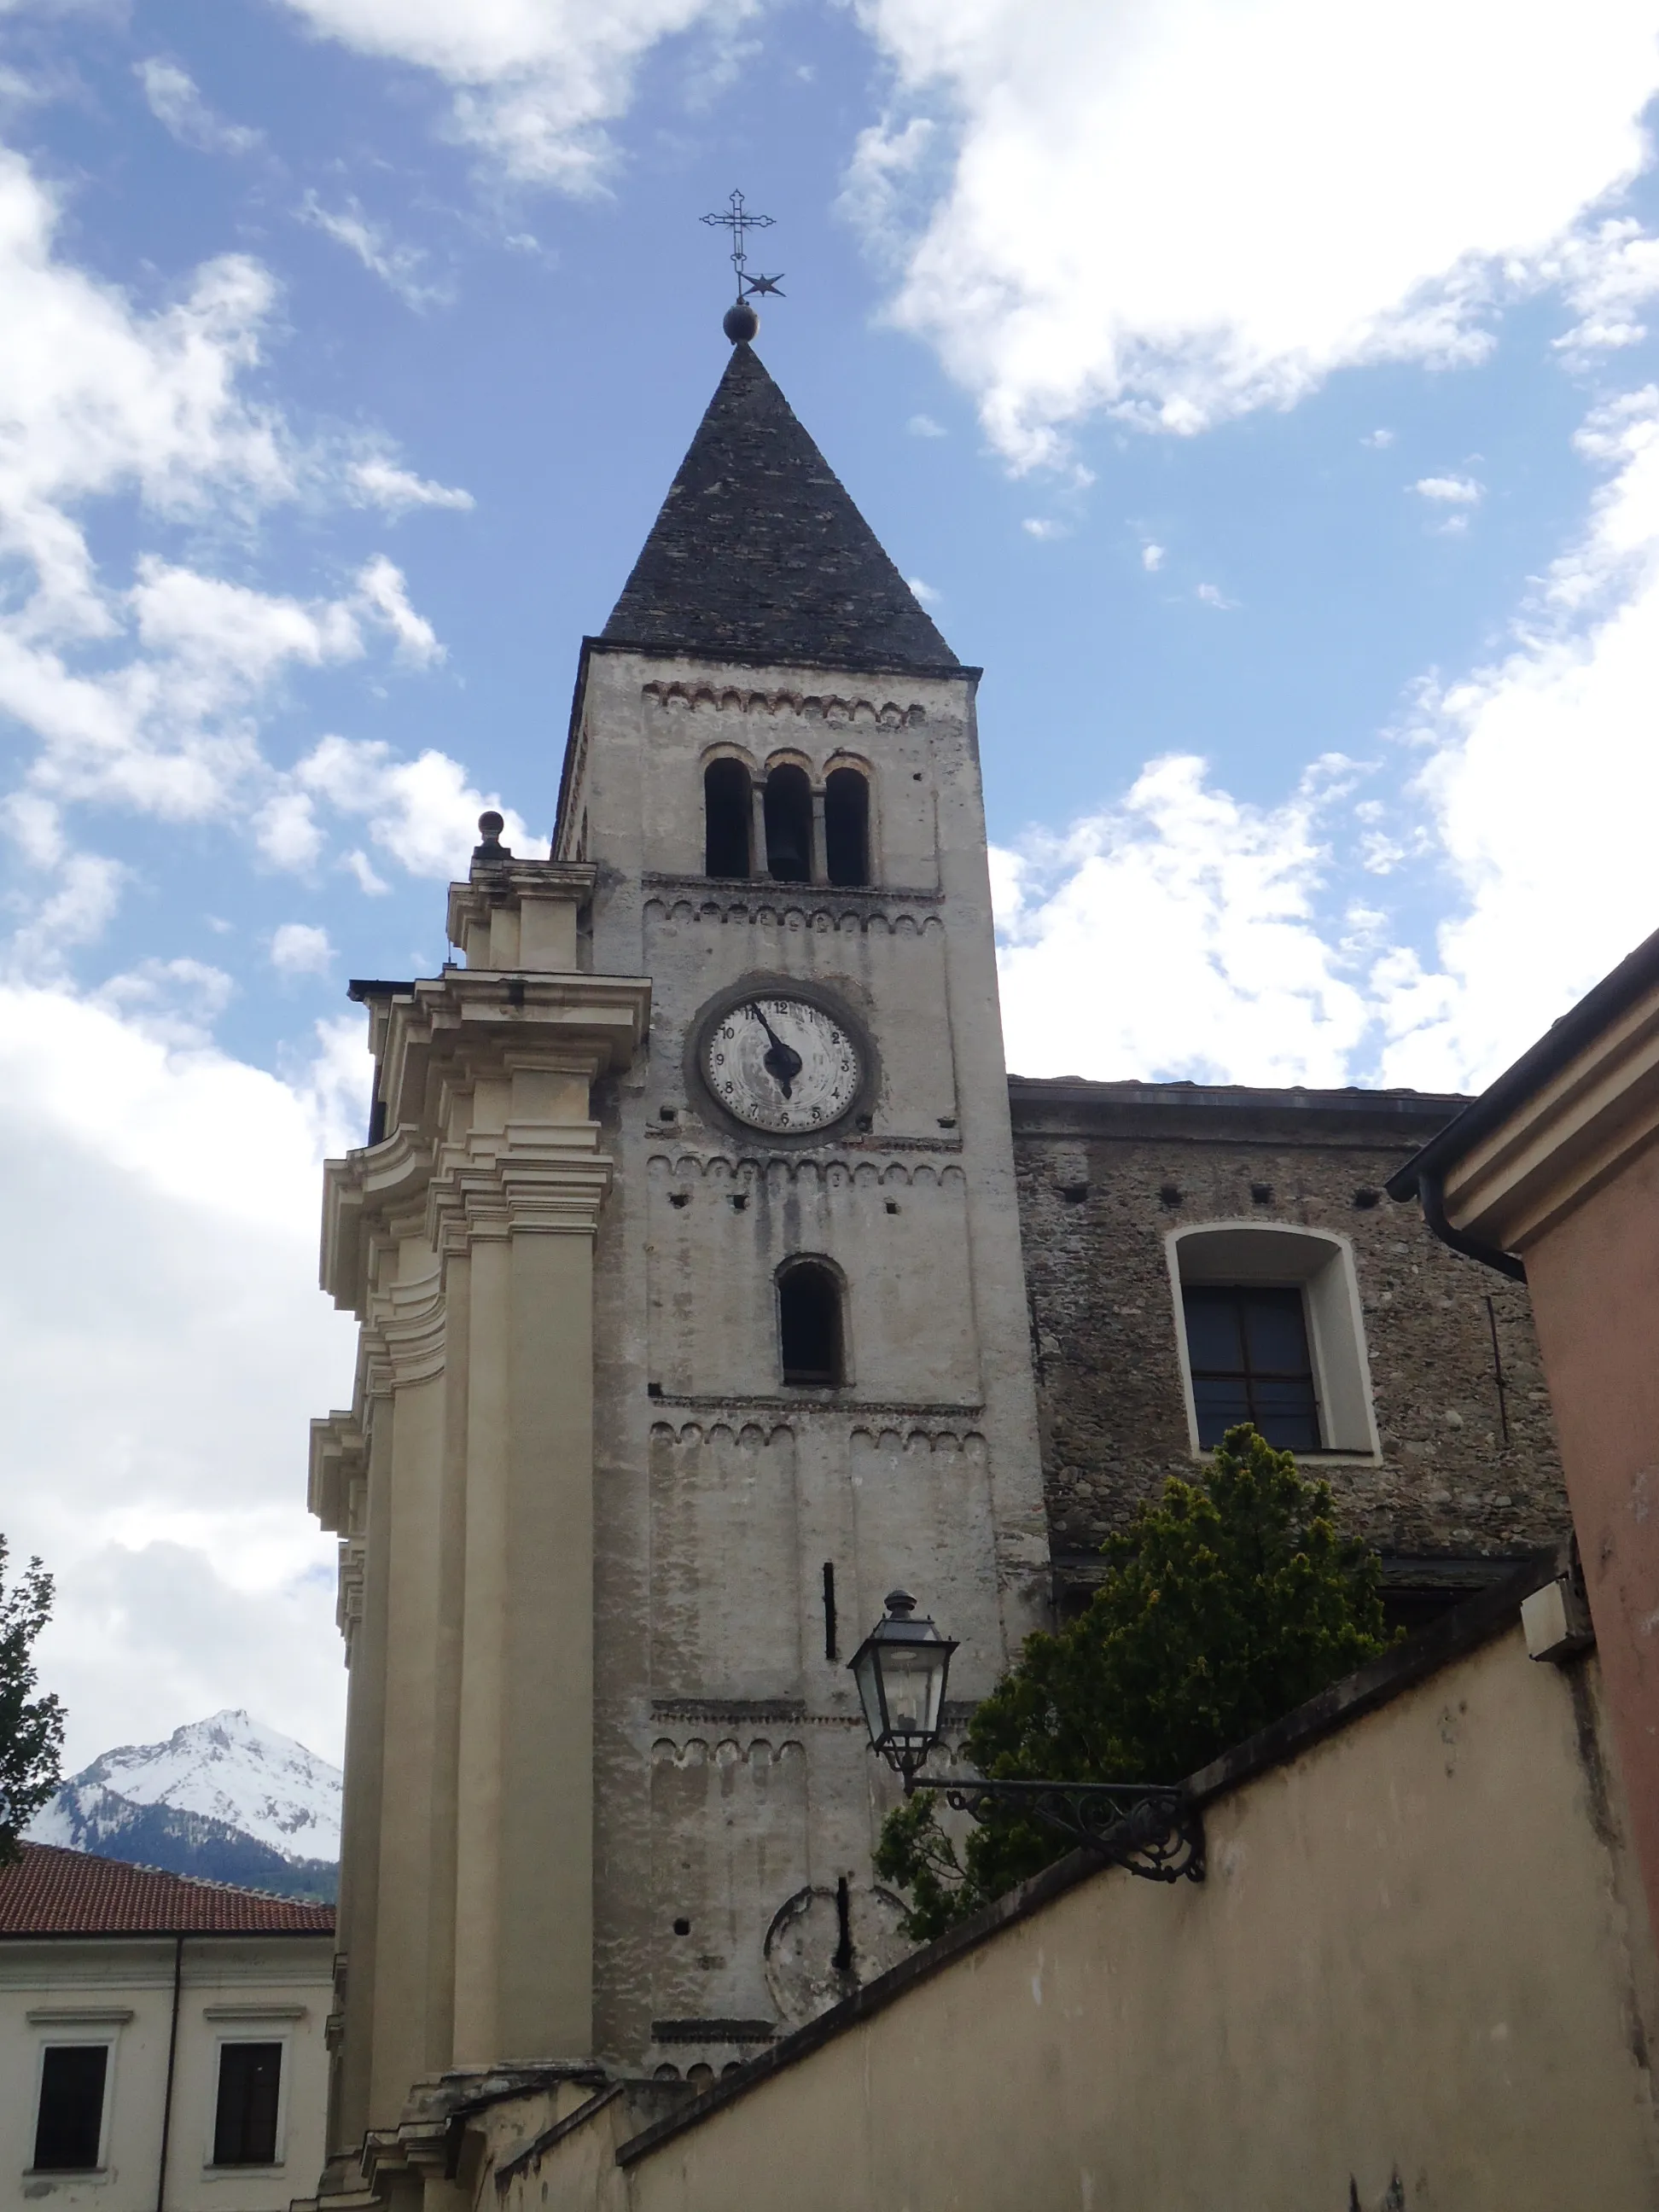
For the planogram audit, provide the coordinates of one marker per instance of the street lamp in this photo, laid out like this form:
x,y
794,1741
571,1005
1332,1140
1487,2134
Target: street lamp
x,y
901,1669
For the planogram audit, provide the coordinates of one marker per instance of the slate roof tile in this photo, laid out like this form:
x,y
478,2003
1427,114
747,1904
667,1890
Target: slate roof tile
x,y
758,551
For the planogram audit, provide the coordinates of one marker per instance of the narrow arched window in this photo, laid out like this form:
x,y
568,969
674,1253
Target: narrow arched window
x,y
727,810
847,826
809,1337
789,824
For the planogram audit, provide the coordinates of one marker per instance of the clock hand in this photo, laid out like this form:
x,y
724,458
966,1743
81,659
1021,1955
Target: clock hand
x,y
781,1061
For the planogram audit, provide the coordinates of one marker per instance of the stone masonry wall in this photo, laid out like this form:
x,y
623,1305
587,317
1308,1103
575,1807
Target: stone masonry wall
x,y
1101,1184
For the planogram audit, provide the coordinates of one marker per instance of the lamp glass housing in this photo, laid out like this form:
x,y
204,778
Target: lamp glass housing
x,y
901,1669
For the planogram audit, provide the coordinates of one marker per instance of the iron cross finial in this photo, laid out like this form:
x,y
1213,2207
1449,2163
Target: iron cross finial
x,y
737,219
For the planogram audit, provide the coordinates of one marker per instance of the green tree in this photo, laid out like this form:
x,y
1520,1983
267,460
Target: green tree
x,y
31,1727
1225,1605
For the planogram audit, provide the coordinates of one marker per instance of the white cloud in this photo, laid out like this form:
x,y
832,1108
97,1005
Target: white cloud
x,y
1213,596
176,1002
1262,952
381,483
1229,977
1451,491
1379,441
534,82
423,812
1041,525
143,693
177,106
1182,211
382,592
358,864
1542,785
1151,558
299,948
924,592
923,426
159,1356
1608,275
398,267
77,910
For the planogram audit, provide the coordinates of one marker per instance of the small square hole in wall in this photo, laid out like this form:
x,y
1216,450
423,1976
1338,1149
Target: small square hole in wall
x,y
916,775
1261,1194
1168,1193
739,1201
1365,1198
864,1122
666,1113
681,1927
947,1120
679,1198
892,1205
653,1389
1074,1193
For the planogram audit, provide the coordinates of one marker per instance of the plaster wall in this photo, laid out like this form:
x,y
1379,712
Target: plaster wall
x,y
274,1989
1417,1976
1463,1468
1594,1275
733,1796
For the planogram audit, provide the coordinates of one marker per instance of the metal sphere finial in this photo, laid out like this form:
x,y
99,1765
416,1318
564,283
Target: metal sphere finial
x,y
491,824
740,323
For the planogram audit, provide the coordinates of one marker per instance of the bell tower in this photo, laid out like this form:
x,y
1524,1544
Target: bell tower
x,y
694,1318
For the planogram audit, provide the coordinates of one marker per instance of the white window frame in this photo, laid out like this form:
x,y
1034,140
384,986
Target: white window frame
x,y
235,2024
59,2030
1284,1254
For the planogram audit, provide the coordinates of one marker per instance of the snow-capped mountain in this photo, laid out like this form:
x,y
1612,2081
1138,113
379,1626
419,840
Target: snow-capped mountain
x,y
225,1797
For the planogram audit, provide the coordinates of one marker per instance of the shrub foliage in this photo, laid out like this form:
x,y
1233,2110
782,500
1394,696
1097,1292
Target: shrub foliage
x,y
1225,1605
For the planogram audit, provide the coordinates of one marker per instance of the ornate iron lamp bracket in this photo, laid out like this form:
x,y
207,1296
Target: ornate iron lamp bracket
x,y
1154,1832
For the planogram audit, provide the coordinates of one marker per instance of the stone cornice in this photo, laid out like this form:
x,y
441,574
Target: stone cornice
x,y
470,903
530,1183
338,1457
439,1042
1563,1139
467,1020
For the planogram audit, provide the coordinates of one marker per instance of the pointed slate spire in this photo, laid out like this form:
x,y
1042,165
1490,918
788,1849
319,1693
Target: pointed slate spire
x,y
759,553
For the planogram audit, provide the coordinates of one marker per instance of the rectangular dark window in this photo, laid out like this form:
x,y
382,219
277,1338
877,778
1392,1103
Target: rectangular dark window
x,y
1247,1348
69,2124
245,2127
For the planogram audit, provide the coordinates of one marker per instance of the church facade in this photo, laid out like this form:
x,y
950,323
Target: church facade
x,y
714,1279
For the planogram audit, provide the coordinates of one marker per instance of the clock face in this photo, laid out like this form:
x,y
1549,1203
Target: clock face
x,y
781,1064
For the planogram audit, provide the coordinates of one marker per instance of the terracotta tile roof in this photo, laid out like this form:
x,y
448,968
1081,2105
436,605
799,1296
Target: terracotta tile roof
x,y
52,1891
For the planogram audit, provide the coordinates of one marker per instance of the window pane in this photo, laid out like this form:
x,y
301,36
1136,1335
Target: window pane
x,y
1276,1335
1221,1404
245,2129
1215,1345
70,2119
1285,1414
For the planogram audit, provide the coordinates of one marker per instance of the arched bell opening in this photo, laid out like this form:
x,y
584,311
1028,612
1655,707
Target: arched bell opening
x,y
727,814
788,825
846,827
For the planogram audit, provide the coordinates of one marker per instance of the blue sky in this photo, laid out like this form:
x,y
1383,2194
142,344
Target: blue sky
x,y
1261,393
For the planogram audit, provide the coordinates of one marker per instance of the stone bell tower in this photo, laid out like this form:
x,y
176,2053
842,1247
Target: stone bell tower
x,y
687,1255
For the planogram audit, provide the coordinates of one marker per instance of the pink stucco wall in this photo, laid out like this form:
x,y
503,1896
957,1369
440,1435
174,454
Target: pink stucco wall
x,y
1595,1284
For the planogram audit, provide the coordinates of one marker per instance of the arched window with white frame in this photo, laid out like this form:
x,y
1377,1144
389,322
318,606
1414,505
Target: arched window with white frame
x,y
1270,1331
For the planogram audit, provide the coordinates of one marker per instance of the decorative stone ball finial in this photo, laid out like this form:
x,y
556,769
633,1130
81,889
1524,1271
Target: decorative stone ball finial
x,y
740,323
490,826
